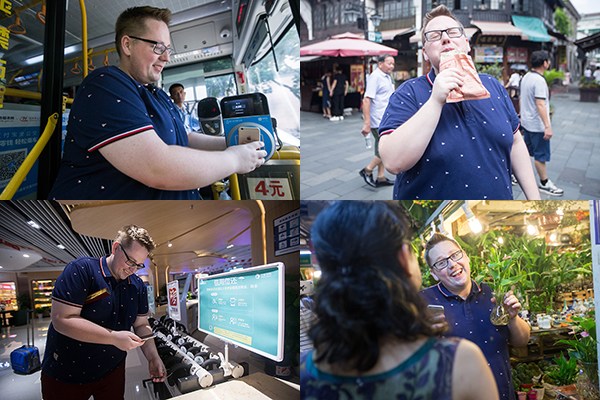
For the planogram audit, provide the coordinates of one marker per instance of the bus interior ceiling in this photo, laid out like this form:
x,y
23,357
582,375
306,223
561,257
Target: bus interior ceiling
x,y
200,30
207,237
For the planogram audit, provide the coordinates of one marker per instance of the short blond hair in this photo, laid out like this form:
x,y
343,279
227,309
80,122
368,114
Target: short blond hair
x,y
133,233
439,11
133,22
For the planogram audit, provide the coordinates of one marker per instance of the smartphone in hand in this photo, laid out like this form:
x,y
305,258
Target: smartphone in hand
x,y
435,310
248,135
146,337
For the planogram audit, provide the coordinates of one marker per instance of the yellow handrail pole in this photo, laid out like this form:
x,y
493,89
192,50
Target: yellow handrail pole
x,y
26,94
84,40
234,185
14,184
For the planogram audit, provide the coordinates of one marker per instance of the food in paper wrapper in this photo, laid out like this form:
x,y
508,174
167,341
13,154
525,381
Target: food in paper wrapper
x,y
472,88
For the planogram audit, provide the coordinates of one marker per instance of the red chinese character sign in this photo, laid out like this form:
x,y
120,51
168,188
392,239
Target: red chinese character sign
x,y
269,188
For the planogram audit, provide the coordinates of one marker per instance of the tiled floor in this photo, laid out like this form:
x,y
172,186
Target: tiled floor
x,y
27,387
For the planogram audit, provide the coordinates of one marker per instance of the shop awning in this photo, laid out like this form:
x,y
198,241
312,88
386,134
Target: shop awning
x,y
346,47
391,34
497,28
533,28
589,43
468,31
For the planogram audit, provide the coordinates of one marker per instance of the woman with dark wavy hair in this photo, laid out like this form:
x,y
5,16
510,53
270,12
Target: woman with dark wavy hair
x,y
371,336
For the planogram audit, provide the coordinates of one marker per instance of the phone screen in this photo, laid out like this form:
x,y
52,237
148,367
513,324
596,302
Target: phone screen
x,y
248,135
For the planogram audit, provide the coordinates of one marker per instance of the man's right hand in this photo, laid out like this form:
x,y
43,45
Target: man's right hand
x,y
126,340
446,81
247,156
438,322
366,129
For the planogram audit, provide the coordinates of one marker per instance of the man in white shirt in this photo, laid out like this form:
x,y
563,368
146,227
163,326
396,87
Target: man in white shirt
x,y
535,119
380,87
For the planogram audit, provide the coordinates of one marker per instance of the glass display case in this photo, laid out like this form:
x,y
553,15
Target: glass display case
x,y
42,294
8,296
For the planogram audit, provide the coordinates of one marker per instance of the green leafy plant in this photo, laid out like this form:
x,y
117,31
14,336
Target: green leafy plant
x,y
562,21
588,83
494,70
565,373
553,75
584,345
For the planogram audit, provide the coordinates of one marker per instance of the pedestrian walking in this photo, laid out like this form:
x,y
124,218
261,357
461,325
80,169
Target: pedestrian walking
x,y
380,87
535,119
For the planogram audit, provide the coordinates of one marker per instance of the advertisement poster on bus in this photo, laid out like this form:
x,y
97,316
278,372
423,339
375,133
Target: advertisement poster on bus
x,y
174,306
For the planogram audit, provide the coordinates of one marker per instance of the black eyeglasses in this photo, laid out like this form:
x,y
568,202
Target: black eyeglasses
x,y
434,36
443,263
159,48
130,261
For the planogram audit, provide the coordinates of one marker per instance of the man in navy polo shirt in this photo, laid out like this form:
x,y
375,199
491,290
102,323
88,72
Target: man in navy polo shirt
x,y
125,139
467,308
463,150
95,303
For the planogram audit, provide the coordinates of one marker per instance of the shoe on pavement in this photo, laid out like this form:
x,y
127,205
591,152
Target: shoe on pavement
x,y
551,189
367,177
334,118
341,117
384,182
513,180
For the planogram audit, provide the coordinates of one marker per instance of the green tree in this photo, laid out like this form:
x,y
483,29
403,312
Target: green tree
x,y
562,22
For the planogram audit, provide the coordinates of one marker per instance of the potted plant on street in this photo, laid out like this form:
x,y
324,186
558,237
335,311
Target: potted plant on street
x,y
589,90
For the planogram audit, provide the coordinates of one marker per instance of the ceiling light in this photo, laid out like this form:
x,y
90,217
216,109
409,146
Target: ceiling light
x,y
33,225
169,244
317,274
229,245
472,220
1,267
26,255
60,246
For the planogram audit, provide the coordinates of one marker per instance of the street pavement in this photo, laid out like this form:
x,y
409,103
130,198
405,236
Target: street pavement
x,y
334,151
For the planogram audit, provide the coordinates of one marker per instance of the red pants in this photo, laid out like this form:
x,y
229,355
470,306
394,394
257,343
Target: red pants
x,y
111,387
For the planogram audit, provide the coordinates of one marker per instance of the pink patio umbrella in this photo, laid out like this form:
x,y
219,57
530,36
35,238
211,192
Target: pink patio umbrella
x,y
346,45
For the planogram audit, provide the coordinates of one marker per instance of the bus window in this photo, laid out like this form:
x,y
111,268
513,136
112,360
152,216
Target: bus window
x,y
282,87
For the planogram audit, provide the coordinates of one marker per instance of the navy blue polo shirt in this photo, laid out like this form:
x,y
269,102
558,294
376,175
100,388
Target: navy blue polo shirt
x,y
468,156
88,284
109,106
470,319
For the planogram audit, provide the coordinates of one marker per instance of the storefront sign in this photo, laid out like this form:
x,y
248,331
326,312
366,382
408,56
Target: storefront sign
x,y
491,40
490,54
516,55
